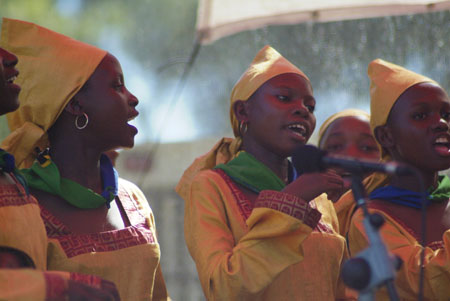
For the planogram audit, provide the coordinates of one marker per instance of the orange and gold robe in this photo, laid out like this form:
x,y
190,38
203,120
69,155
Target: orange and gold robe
x,y
129,257
404,242
277,248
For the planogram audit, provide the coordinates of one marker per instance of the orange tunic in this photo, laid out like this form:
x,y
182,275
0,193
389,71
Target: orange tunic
x,y
403,242
128,257
279,248
22,228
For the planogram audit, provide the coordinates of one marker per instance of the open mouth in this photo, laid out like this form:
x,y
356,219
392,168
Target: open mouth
x,y
298,129
133,116
11,79
442,145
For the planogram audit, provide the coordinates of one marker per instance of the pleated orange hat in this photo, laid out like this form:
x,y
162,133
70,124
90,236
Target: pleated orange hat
x,y
267,64
53,68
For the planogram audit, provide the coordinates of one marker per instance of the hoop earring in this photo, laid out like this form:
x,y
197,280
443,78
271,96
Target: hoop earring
x,y
243,127
80,127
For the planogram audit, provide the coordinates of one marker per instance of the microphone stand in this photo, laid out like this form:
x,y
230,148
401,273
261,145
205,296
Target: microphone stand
x,y
372,267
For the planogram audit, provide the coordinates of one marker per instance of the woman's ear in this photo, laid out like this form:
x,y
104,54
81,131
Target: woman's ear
x,y
240,109
383,135
74,107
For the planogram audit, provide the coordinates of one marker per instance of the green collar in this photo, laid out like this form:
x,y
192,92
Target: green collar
x,y
442,192
251,173
44,175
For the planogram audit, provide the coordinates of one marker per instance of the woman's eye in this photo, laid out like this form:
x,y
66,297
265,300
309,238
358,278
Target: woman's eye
x,y
369,148
311,108
419,116
119,87
333,147
446,116
283,97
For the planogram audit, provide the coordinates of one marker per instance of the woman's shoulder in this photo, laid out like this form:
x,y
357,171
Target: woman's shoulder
x,y
128,185
210,175
133,192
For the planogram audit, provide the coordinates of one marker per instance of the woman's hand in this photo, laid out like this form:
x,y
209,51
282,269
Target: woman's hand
x,y
311,185
78,291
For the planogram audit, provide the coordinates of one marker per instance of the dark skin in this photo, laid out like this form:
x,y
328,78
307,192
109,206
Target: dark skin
x,y
279,117
109,106
9,93
350,136
421,114
9,102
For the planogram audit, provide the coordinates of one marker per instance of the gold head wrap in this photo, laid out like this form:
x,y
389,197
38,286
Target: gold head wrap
x,y
387,82
52,68
267,64
336,116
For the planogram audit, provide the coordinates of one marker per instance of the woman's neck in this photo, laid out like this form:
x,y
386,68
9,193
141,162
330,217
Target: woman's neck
x,y
430,179
279,165
78,164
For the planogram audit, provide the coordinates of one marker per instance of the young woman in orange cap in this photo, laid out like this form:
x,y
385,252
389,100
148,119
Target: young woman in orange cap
x,y
75,107
347,133
254,231
23,240
410,117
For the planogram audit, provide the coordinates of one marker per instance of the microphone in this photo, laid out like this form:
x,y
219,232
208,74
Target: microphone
x,y
309,158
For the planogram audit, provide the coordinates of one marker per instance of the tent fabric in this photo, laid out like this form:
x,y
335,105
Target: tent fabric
x,y
218,18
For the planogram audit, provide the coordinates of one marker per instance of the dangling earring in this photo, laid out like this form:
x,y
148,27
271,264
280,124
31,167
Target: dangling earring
x,y
80,127
243,127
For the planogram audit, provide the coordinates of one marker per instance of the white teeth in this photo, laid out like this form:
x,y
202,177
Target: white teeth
x,y
299,128
11,79
442,140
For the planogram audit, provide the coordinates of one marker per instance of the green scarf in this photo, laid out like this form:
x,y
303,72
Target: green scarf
x,y
251,173
442,192
44,175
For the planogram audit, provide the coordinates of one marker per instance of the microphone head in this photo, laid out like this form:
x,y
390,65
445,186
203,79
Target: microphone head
x,y
308,158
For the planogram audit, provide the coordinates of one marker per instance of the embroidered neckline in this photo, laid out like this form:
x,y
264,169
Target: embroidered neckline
x,y
433,245
246,206
137,233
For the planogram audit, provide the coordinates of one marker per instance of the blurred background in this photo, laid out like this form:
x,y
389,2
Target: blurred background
x,y
155,39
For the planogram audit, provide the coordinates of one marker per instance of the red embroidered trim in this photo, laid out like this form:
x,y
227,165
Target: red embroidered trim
x,y
246,207
12,195
55,286
90,280
244,204
288,204
321,226
433,245
76,244
436,245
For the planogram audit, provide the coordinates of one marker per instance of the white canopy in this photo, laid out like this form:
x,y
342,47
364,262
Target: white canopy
x,y
219,18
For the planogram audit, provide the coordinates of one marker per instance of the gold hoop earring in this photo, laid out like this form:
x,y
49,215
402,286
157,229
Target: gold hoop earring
x,y
80,127
243,127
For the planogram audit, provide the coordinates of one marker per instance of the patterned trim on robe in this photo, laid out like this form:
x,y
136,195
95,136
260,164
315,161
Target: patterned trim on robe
x,y
55,286
76,244
15,195
278,201
435,245
90,280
